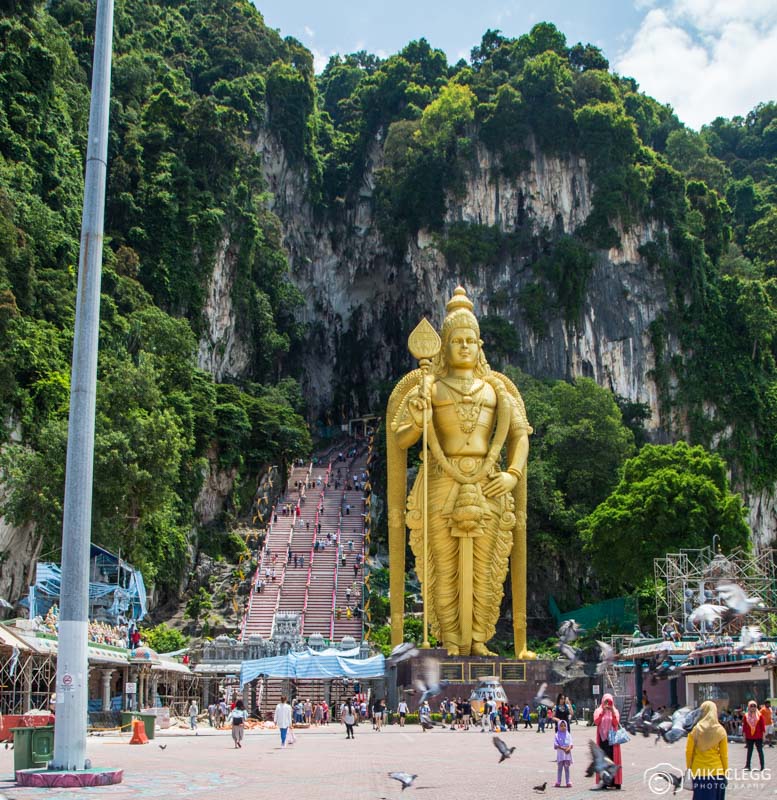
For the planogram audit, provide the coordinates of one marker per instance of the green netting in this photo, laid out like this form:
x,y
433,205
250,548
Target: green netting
x,y
619,611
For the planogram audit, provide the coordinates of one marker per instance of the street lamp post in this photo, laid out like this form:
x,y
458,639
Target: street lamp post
x,y
72,685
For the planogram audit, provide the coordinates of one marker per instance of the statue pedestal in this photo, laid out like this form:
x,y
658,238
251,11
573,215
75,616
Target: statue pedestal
x,y
520,679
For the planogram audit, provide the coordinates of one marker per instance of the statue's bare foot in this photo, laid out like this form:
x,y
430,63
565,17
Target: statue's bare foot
x,y
479,649
526,655
453,650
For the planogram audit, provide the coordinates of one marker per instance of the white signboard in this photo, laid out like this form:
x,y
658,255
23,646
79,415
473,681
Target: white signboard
x,y
595,689
130,688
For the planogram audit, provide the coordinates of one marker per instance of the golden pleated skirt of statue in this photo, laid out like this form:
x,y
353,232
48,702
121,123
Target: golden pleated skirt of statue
x,y
470,538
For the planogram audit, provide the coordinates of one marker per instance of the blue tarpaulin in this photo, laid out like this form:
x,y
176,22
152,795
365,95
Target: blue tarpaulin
x,y
307,665
116,589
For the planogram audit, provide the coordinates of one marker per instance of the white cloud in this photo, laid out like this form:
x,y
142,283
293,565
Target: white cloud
x,y
309,32
708,58
320,59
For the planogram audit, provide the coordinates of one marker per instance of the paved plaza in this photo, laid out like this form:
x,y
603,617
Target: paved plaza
x,y
322,764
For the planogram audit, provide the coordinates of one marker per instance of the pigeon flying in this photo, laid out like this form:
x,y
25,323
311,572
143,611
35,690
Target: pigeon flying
x,y
405,778
607,656
430,685
542,698
503,749
569,631
605,768
402,652
735,597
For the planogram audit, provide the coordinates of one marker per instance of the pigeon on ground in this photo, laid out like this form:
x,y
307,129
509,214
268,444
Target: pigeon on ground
x,y
607,656
542,698
645,722
735,597
405,778
706,612
430,684
604,767
162,746
503,749
750,634
680,725
673,780
402,652
569,630
540,788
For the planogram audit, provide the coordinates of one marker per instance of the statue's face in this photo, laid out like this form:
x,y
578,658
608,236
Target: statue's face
x,y
462,349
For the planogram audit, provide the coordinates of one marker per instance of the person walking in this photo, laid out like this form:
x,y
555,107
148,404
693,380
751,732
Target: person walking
x,y
402,710
542,716
754,728
526,716
348,716
238,717
606,719
768,718
562,743
377,714
282,718
193,712
706,755
562,710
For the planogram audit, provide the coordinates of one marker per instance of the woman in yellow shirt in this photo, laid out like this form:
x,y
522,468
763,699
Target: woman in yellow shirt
x,y
706,755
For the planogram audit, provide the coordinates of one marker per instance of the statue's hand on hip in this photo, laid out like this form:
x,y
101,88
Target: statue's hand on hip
x,y
501,483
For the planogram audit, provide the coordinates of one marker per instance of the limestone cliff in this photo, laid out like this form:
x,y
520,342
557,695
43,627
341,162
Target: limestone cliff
x,y
360,303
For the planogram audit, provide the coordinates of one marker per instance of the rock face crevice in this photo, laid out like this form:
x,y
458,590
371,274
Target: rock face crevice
x,y
222,351
19,550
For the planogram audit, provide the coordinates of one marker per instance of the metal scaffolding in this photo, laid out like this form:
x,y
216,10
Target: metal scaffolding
x,y
688,578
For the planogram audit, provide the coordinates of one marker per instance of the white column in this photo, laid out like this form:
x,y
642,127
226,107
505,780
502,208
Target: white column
x,y
107,675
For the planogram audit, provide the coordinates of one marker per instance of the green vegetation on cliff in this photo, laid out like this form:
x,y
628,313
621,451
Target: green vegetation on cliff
x,y
188,93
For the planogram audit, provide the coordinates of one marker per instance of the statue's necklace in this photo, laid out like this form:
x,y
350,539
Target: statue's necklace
x,y
469,407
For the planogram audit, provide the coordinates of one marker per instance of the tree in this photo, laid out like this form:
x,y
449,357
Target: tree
x,y
669,497
163,638
588,442
199,602
761,244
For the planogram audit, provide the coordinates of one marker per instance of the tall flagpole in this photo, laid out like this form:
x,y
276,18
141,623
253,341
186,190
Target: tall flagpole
x,y
72,685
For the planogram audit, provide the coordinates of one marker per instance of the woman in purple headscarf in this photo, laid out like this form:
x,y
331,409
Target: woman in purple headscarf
x,y
562,744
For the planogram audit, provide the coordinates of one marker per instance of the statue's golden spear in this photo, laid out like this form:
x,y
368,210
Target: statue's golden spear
x,y
424,344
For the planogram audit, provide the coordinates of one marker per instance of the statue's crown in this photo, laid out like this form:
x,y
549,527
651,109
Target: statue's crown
x,y
459,300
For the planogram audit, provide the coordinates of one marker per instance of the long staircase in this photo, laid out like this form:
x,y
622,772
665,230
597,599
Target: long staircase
x,y
263,605
321,503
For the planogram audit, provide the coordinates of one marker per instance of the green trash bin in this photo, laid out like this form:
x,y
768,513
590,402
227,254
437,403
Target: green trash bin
x,y
126,720
33,747
149,721
42,745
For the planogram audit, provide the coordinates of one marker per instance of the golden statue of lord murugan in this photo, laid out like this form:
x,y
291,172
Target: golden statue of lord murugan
x,y
476,512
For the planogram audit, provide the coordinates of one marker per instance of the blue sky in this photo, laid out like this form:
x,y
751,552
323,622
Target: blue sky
x,y
707,58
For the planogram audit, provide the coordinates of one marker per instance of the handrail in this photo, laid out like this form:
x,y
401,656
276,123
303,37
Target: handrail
x,y
283,577
338,540
252,591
